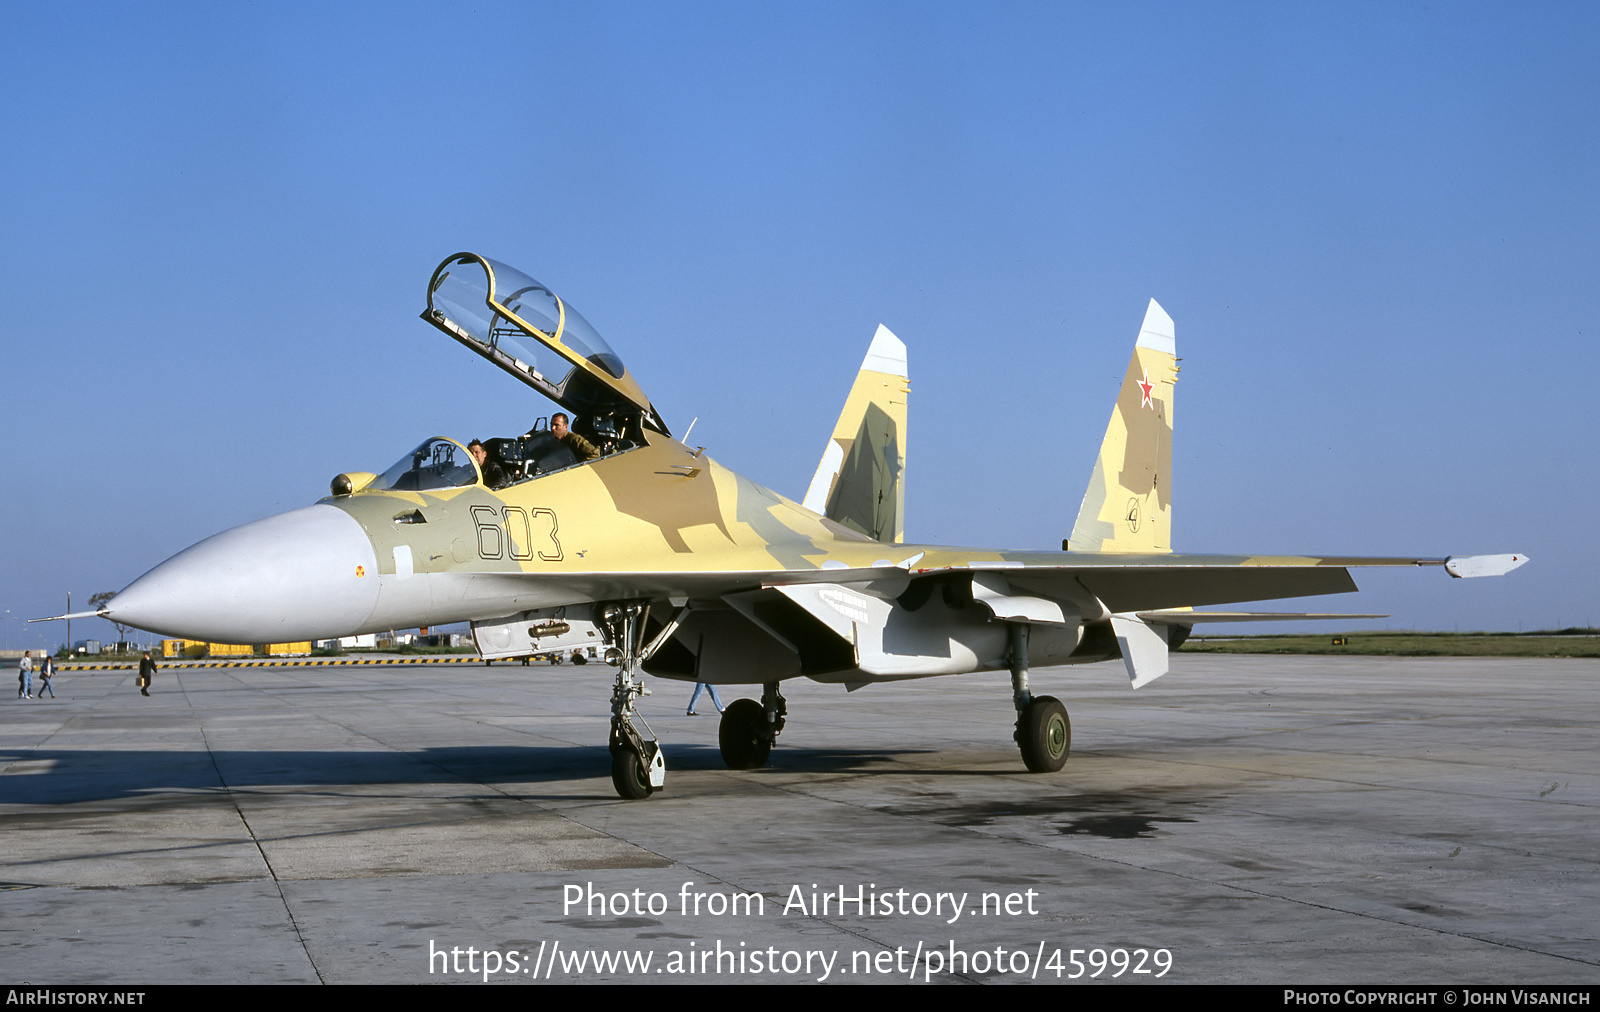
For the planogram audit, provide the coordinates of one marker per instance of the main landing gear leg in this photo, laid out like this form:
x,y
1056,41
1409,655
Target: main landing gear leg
x,y
749,729
1044,732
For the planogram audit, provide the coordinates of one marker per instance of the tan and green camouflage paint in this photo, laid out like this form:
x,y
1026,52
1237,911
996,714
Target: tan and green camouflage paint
x,y
1128,504
661,521
860,482
660,508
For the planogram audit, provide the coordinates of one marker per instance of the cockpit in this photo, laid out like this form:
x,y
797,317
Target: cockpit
x,y
542,450
441,463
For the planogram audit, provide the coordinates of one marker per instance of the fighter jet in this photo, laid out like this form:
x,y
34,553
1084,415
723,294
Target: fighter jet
x,y
598,528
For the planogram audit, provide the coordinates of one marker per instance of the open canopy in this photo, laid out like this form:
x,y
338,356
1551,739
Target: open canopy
x,y
527,330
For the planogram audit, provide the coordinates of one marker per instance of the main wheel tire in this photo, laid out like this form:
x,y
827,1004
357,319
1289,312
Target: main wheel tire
x,y
629,776
743,735
1045,735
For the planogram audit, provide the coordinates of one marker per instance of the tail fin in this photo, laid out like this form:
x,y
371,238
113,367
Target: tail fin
x,y
860,481
1128,505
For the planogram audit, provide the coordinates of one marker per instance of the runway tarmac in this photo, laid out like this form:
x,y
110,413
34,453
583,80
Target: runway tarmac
x,y
1283,820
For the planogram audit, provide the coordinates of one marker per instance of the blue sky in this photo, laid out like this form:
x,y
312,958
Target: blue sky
x,y
1375,226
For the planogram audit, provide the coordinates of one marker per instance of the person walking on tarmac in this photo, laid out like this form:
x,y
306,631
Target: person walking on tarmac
x,y
147,673
47,670
700,687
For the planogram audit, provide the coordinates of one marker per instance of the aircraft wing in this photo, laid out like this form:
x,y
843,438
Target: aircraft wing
x,y
1126,583
1179,616
1143,599
1093,585
1123,584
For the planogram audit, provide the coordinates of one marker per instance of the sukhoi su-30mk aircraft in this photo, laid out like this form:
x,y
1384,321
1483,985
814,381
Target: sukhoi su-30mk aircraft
x,y
613,532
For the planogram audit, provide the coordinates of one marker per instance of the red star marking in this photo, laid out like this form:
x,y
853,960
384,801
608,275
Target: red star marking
x,y
1145,386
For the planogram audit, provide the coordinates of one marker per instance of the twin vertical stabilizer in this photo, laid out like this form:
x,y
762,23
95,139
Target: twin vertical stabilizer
x,y
1128,505
860,481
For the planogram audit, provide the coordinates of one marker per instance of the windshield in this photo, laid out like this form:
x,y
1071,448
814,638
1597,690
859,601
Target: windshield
x,y
438,463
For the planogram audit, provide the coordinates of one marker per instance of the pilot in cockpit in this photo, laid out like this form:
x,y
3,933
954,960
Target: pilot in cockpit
x,y
581,448
494,475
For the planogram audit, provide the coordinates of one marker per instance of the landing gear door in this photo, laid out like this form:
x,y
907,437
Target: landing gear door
x,y
527,330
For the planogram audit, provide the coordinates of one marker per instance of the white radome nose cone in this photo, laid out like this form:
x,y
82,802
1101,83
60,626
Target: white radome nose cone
x,y
306,574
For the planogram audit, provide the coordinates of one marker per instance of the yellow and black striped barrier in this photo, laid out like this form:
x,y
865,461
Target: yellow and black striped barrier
x,y
275,662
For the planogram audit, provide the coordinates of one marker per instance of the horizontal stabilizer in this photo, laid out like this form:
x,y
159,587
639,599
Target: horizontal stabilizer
x,y
1482,565
1191,617
1143,646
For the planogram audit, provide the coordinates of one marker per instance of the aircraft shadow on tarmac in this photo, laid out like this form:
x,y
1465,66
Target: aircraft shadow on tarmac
x,y
69,776
176,779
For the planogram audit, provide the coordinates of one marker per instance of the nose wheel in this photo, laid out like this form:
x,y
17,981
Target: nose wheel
x,y
635,776
638,768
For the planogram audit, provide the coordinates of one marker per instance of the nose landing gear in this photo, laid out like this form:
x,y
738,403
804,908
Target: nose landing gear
x,y
638,768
